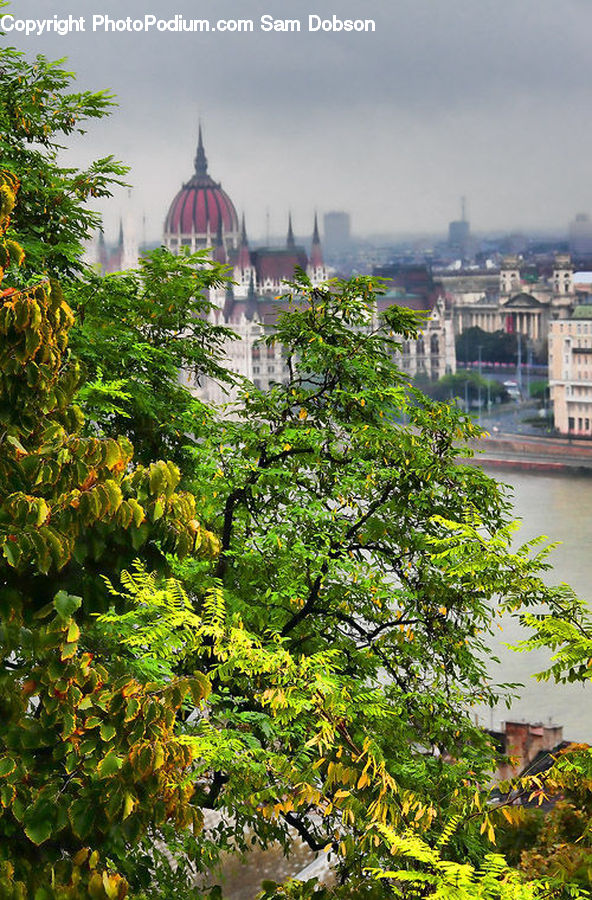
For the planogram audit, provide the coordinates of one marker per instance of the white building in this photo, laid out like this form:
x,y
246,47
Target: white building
x,y
515,305
201,216
570,372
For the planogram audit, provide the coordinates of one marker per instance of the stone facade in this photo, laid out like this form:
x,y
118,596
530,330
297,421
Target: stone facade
x,y
570,372
515,305
432,354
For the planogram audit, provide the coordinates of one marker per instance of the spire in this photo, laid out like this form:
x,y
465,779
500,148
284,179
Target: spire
x,y
219,248
251,309
315,235
251,294
102,252
244,257
201,163
290,242
316,254
120,239
228,302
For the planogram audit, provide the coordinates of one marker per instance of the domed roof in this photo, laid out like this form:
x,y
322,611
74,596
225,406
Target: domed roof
x,y
201,207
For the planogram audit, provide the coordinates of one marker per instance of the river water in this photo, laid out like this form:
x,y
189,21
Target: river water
x,y
559,507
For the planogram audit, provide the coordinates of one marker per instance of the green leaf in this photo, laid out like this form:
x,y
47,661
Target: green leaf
x,y
40,830
82,818
7,766
66,604
200,687
109,765
108,731
11,553
128,805
44,893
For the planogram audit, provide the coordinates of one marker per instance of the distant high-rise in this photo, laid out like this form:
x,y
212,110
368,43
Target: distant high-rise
x,y
336,227
459,234
580,235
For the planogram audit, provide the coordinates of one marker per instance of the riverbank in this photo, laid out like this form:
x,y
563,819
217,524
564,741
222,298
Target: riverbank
x,y
533,454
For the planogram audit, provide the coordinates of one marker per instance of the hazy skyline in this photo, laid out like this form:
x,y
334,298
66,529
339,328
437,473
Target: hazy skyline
x,y
446,98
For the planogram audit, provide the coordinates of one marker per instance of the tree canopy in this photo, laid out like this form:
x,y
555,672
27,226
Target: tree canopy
x,y
38,111
289,633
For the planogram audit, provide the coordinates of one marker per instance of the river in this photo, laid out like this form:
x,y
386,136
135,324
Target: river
x,y
559,507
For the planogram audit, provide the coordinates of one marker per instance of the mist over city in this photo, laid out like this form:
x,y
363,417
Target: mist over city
x,y
443,100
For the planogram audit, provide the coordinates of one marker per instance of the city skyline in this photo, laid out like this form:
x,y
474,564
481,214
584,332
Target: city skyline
x,y
441,100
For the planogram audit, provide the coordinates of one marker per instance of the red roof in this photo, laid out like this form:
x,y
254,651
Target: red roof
x,y
278,265
201,206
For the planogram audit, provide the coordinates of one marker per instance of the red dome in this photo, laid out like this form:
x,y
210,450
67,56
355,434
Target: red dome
x,y
201,206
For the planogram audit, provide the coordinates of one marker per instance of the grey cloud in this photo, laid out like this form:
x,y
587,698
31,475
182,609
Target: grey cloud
x,y
447,97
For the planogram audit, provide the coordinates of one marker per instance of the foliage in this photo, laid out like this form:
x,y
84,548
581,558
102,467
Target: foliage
x,y
37,111
314,669
88,754
554,843
466,386
143,327
563,851
539,390
344,530
562,846
449,880
496,346
567,630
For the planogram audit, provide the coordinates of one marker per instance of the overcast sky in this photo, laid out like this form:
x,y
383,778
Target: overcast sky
x,y
486,98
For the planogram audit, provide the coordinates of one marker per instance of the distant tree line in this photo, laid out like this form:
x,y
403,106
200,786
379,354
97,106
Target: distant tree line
x,y
466,386
496,346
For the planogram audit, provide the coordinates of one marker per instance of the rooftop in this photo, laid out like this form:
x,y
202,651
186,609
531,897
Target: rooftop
x,y
583,312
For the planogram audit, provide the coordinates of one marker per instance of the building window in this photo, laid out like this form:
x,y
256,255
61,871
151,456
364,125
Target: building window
x,y
571,424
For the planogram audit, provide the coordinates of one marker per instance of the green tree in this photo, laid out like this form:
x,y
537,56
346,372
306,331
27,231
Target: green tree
x,y
496,346
469,386
560,846
37,112
105,744
340,631
89,758
344,530
134,333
